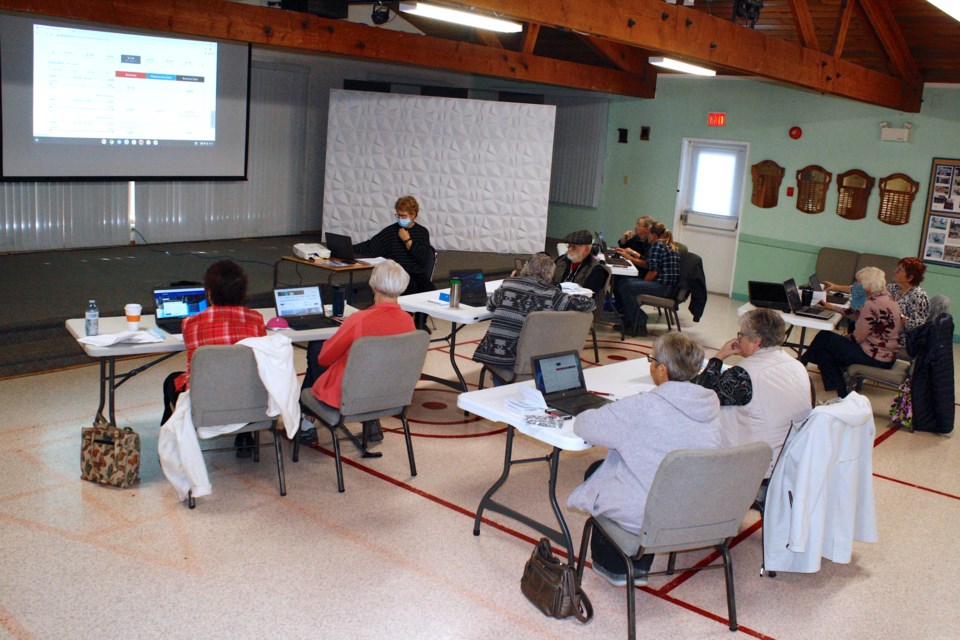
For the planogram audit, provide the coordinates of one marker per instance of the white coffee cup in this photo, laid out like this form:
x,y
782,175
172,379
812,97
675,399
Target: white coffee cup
x,y
132,312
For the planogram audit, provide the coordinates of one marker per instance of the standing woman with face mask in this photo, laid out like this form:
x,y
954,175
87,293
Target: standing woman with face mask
x,y
406,243
578,264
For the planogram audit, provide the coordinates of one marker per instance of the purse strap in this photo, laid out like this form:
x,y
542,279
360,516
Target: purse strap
x,y
581,604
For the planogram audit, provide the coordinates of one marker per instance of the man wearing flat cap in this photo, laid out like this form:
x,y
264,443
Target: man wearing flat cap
x,y
578,264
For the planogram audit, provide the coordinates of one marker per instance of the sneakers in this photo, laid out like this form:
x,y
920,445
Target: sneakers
x,y
616,579
620,579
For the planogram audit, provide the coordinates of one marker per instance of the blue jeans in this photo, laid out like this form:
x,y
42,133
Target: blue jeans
x,y
627,293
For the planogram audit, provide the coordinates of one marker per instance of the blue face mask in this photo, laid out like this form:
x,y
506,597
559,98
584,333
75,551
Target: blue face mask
x,y
858,296
404,222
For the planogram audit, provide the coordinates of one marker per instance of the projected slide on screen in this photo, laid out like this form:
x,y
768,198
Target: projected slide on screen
x,y
93,102
108,88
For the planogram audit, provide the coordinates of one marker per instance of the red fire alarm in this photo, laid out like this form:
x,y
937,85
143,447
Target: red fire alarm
x,y
795,132
716,119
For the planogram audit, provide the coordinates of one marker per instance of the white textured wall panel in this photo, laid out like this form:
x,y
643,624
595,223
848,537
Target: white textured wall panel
x,y
480,169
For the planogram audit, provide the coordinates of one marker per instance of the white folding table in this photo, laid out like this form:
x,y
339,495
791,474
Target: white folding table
x,y
615,380
799,321
172,344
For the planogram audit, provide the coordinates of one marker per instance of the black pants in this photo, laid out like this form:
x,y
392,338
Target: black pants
x,y
833,353
170,395
604,554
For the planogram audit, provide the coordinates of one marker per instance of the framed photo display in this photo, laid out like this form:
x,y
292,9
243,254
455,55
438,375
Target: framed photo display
x,y
940,243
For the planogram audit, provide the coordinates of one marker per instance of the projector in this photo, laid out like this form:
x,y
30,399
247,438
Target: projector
x,y
311,251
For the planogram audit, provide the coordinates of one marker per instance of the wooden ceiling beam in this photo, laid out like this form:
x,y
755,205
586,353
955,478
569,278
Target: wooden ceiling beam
x,y
691,35
884,24
804,22
530,34
225,20
625,57
841,28
489,39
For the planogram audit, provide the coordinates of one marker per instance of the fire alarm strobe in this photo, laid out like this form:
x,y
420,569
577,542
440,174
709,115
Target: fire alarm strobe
x,y
795,132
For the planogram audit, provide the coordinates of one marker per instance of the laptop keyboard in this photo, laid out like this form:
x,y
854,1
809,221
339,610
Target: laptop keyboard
x,y
578,402
301,323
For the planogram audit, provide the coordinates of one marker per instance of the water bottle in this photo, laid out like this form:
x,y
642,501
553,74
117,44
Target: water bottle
x,y
338,301
92,319
455,293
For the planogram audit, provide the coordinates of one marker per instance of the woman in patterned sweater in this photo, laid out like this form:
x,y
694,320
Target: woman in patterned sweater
x,y
517,298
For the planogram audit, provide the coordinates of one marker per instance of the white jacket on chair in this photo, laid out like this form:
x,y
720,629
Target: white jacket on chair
x,y
820,497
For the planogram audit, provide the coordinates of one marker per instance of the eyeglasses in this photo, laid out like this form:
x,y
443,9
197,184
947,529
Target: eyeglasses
x,y
652,359
743,335
402,216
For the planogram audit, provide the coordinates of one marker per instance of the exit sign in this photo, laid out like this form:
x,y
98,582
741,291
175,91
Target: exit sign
x,y
717,119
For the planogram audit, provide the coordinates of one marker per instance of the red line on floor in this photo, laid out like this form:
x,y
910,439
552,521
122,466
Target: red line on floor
x,y
886,434
709,558
918,486
440,436
472,515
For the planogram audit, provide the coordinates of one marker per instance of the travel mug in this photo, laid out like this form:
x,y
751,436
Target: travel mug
x,y
338,302
455,293
806,296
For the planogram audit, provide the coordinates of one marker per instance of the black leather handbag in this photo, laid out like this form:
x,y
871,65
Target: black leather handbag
x,y
552,585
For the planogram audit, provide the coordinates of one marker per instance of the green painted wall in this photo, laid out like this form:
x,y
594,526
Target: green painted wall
x,y
775,244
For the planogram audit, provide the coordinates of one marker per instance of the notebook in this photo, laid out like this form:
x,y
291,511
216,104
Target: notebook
x,y
302,308
473,291
173,304
341,247
835,298
559,377
797,308
768,295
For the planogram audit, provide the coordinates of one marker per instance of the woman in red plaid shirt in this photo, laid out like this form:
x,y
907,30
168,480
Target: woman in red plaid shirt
x,y
226,321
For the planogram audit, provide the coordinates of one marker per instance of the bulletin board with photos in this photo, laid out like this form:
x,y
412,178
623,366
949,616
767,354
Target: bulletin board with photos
x,y
941,227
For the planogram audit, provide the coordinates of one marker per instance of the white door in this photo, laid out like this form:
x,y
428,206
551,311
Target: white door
x,y
709,199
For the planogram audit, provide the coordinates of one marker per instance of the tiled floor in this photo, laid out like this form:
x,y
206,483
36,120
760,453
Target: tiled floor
x,y
394,556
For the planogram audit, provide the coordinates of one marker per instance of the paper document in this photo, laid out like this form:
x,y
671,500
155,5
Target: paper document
x,y
107,339
527,400
373,261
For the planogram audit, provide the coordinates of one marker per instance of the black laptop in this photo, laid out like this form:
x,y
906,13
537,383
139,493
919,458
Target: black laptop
x,y
302,308
174,304
341,247
835,298
559,377
796,306
768,295
473,291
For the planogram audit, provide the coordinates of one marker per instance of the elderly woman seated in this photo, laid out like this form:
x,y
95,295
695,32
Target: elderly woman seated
x,y
327,360
517,298
874,341
639,432
765,391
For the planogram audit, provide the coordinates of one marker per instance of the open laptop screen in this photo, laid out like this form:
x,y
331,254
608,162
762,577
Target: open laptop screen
x,y
473,291
793,294
340,246
298,301
558,372
179,302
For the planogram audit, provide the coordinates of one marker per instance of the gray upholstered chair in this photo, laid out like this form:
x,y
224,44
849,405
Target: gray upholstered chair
x,y
543,332
670,305
378,382
225,388
697,500
836,265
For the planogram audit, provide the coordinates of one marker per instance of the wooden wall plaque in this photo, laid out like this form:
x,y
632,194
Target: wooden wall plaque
x,y
767,176
812,184
853,189
896,197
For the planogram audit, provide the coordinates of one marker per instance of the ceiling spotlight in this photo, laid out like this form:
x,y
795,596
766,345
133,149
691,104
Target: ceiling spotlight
x,y
381,14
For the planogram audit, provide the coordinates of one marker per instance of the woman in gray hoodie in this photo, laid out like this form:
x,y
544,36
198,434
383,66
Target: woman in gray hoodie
x,y
640,431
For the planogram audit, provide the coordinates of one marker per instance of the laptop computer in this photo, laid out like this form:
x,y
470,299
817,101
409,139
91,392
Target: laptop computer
x,y
797,308
341,247
559,377
173,304
473,291
835,298
610,256
302,308
768,295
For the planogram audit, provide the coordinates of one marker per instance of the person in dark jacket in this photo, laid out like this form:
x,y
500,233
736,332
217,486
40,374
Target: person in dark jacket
x,y
578,264
931,385
406,243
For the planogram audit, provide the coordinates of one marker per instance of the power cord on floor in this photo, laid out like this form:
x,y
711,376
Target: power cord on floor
x,y
202,256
